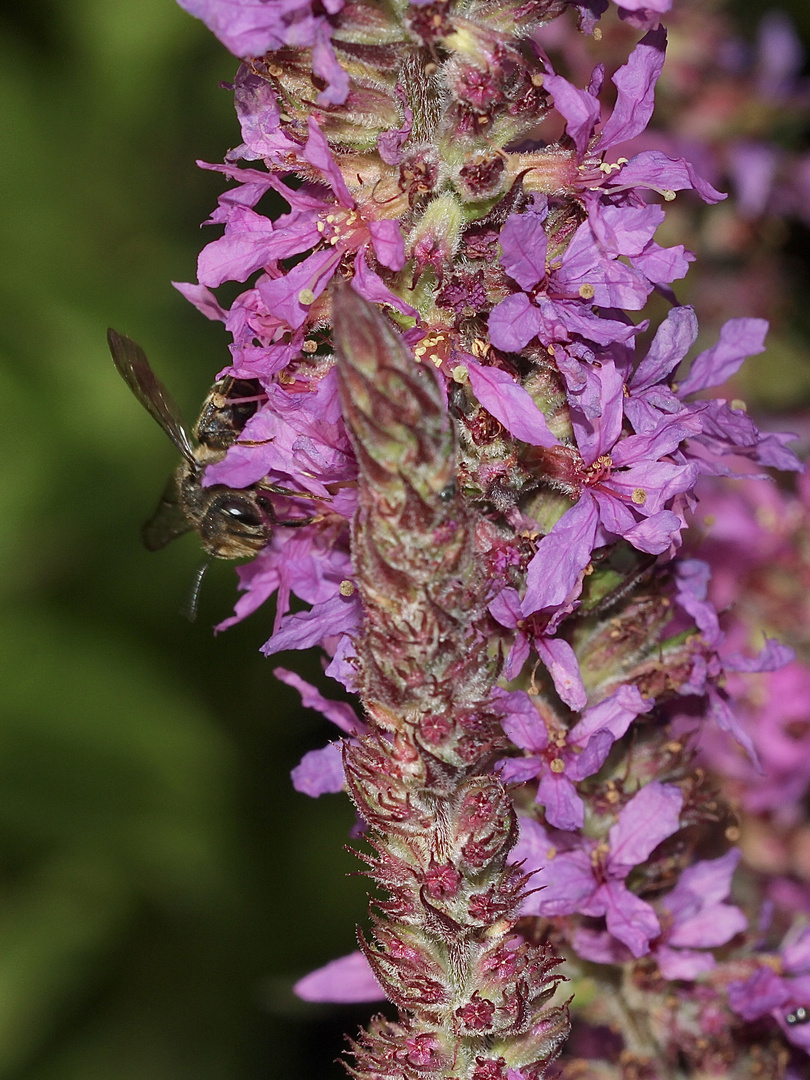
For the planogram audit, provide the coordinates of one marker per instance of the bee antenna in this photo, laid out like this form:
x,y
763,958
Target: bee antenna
x,y
192,601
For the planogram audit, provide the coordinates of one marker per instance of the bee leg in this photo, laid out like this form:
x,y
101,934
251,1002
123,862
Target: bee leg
x,y
278,489
291,523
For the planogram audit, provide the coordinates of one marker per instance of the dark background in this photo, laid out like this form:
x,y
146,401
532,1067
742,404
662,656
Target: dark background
x,y
161,884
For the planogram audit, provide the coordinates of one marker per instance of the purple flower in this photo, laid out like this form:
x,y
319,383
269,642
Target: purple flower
x,y
415,513
347,979
509,403
556,653
559,758
254,27
556,303
331,618
628,504
321,771
785,997
694,918
297,435
589,879
304,561
630,485
330,227
773,715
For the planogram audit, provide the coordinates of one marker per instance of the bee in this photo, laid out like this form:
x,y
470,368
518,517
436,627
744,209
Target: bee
x,y
232,523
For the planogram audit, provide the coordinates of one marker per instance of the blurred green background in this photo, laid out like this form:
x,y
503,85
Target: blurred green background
x,y
161,884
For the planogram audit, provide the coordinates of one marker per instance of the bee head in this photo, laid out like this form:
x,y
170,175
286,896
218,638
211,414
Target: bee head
x,y
234,526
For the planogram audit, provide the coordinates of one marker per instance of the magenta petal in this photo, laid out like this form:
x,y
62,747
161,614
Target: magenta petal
x,y
592,758
343,666
250,241
597,410
683,963
562,665
510,404
713,926
654,169
721,711
371,287
599,946
625,230
326,66
739,339
522,723
579,109
673,339
796,956
692,577
514,322
518,655
651,816
387,242
307,628
629,919
704,883
317,153
258,112
561,556
523,243
390,143
564,881
656,534
657,6
202,299
591,261
340,713
615,516
519,770
246,27
614,714
773,656
564,808
635,82
759,994
347,979
663,265
282,295
505,608
320,772
533,846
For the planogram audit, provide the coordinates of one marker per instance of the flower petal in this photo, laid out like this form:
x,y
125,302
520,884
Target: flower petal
x,y
320,772
561,556
348,978
651,816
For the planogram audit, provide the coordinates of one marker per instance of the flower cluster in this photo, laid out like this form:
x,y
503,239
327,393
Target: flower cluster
x,y
441,247
755,538
739,110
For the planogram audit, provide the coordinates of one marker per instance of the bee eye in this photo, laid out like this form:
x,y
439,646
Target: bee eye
x,y
801,1015
241,510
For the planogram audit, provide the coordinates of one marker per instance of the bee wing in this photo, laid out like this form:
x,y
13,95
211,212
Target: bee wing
x,y
131,362
168,521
